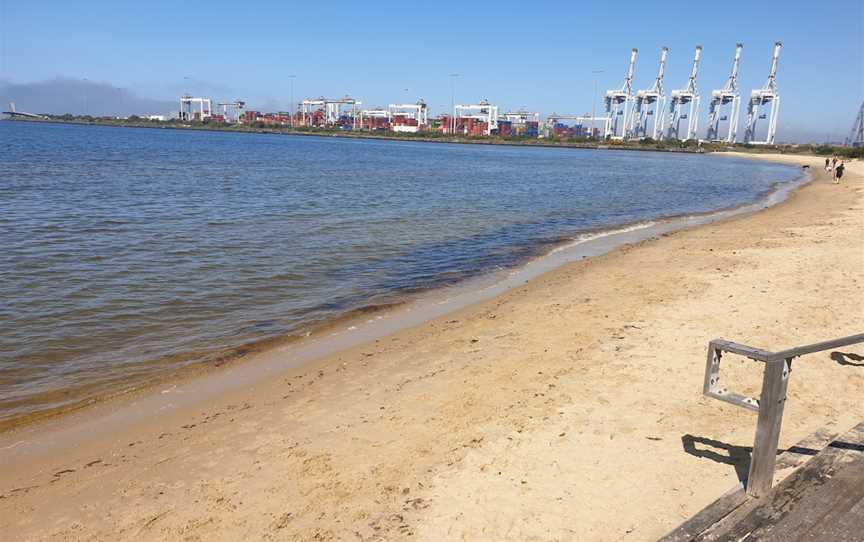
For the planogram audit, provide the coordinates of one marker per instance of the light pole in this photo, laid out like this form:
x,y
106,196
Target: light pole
x,y
594,101
86,106
453,77
291,79
185,92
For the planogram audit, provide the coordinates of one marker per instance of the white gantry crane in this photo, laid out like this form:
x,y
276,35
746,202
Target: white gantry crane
x,y
684,105
856,136
586,123
187,108
521,116
376,113
485,112
650,103
333,111
764,96
730,96
409,117
619,101
232,111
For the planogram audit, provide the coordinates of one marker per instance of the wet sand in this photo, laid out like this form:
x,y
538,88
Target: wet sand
x,y
567,408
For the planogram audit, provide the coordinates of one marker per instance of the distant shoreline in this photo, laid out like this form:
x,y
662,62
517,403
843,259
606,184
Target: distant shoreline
x,y
655,146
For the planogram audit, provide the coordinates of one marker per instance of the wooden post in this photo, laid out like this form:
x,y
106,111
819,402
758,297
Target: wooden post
x,y
771,403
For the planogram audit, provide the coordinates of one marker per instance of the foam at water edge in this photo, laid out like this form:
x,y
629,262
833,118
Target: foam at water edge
x,y
605,233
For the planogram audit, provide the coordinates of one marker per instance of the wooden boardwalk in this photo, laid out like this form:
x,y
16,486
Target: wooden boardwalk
x,y
822,500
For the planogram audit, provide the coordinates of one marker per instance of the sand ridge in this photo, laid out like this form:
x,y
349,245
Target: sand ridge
x,y
567,409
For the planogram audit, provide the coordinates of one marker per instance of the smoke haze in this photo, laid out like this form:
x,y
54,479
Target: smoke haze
x,y
79,97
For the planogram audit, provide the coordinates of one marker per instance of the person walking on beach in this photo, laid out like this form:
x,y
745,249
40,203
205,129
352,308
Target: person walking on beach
x,y
827,165
838,173
834,162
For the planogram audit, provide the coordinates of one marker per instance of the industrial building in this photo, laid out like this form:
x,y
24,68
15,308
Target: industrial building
x,y
629,114
267,119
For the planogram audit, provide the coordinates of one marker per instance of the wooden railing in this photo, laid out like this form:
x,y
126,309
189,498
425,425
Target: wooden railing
x,y
769,405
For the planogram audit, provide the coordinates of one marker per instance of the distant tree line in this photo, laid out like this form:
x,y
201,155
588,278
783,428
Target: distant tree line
x,y
644,144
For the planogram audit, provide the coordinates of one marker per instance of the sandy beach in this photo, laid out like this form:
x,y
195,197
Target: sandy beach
x,y
569,408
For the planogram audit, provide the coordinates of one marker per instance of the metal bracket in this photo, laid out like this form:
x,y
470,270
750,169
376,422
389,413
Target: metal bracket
x,y
712,387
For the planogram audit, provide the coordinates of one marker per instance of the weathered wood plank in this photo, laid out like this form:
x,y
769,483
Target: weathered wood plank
x,y
708,516
805,450
771,404
822,500
847,526
809,503
791,458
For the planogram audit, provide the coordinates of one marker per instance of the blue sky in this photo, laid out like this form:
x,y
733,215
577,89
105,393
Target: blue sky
x,y
538,54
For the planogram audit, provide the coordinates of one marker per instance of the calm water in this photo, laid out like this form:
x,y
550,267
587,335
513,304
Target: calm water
x,y
130,252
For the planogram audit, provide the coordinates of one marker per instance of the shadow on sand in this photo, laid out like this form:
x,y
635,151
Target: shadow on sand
x,y
848,358
720,452
739,456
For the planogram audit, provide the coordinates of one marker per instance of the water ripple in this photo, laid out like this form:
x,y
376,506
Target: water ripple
x,y
129,253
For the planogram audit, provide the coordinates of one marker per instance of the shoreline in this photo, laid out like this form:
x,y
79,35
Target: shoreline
x,y
533,414
457,294
683,147
390,136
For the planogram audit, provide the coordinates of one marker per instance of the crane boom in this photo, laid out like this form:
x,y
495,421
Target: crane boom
x,y
631,72
732,83
694,71
772,73
658,82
